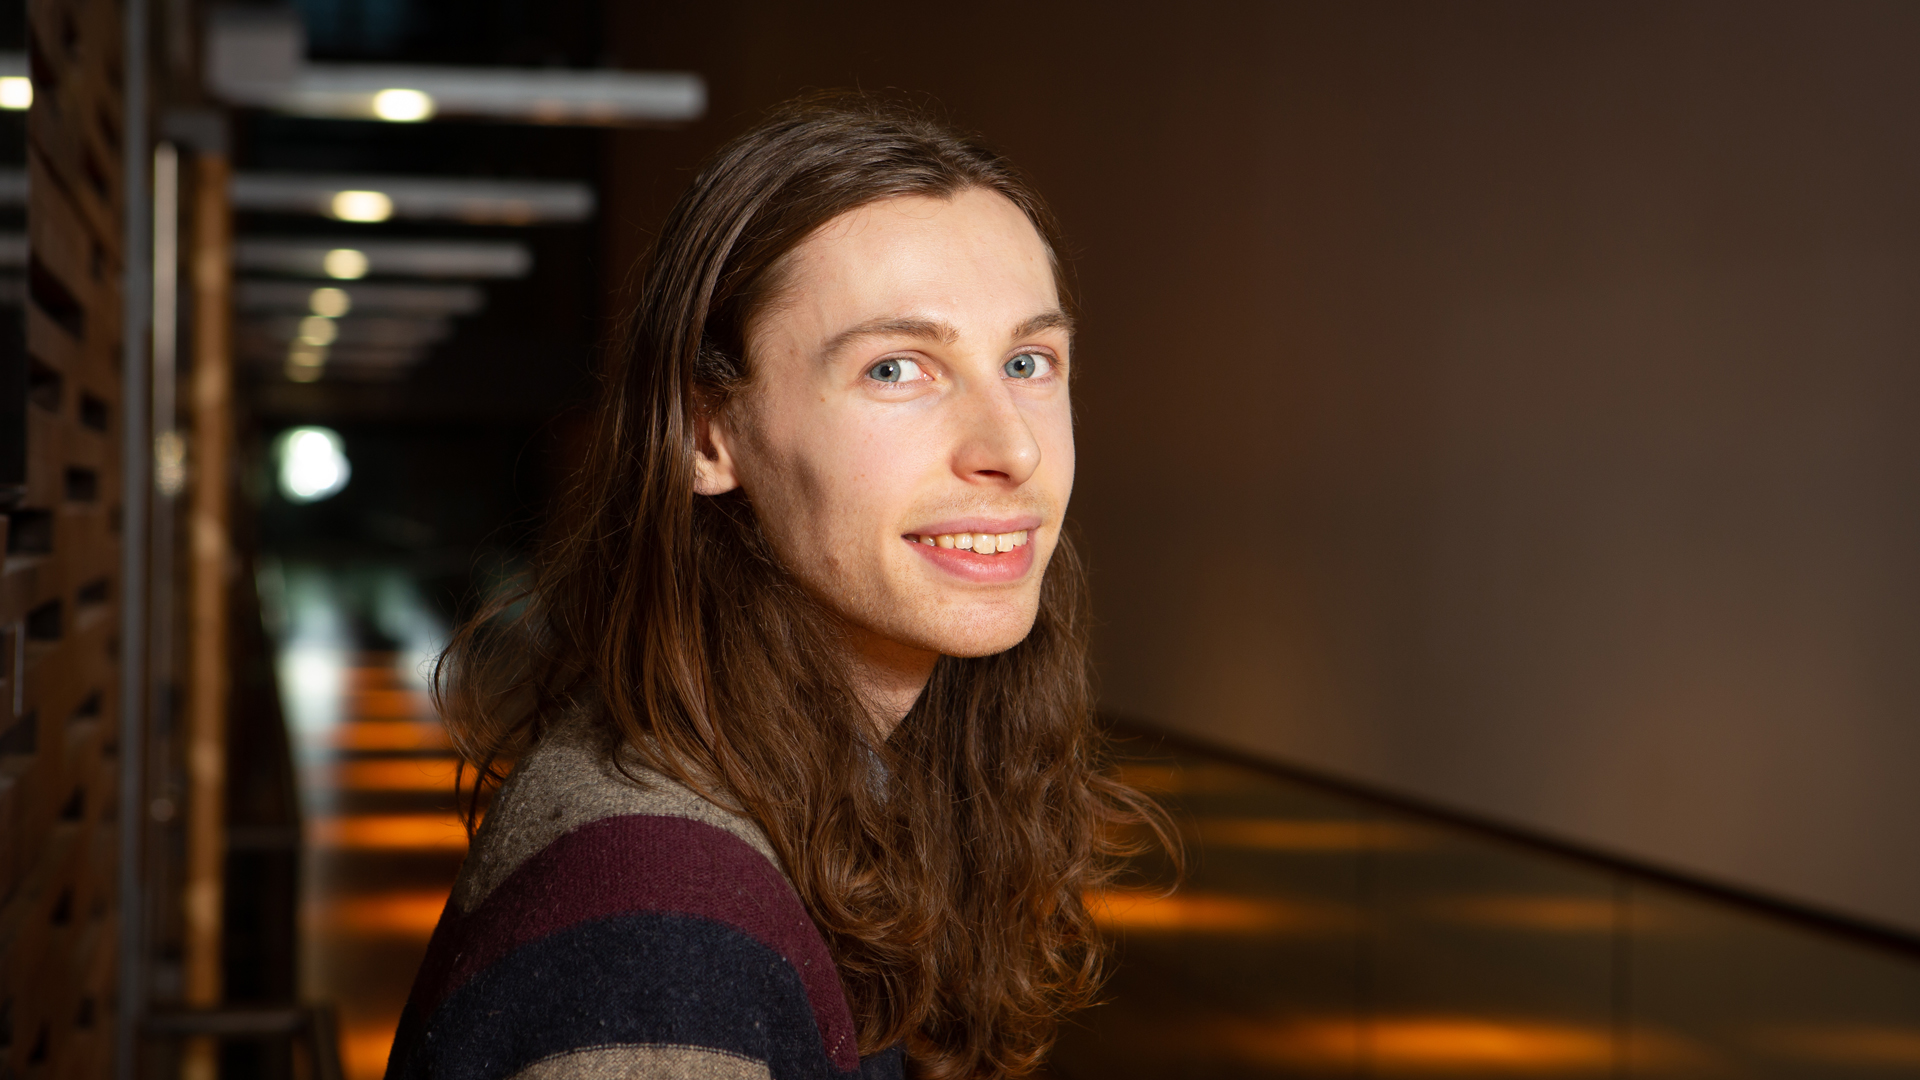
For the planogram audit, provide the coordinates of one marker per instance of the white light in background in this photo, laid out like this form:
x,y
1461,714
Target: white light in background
x,y
313,464
330,302
169,463
402,106
16,92
345,264
362,206
305,362
302,372
318,330
311,674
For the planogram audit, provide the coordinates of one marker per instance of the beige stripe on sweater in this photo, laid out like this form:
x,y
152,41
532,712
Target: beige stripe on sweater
x,y
645,1062
568,781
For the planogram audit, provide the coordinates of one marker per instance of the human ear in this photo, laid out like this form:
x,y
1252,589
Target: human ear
x,y
713,472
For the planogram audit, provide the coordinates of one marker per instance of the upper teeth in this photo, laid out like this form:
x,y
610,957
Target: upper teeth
x,y
978,543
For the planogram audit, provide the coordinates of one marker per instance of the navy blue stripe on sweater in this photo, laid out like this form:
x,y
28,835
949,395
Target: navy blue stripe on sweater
x,y
643,862
653,977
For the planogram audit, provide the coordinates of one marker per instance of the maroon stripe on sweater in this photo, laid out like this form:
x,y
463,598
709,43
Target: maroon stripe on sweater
x,y
633,863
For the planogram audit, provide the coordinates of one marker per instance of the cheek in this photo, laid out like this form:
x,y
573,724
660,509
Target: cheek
x,y
880,462
844,485
865,457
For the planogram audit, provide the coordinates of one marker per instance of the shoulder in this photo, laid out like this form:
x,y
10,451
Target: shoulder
x,y
605,920
573,780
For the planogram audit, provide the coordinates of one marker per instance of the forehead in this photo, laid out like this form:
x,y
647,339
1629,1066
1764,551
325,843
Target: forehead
x,y
973,255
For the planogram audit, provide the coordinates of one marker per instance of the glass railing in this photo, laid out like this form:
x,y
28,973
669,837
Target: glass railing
x,y
1324,932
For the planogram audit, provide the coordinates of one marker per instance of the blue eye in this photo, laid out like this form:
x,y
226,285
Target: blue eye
x,y
1027,365
893,370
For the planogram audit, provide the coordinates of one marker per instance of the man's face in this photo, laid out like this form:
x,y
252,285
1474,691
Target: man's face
x,y
907,412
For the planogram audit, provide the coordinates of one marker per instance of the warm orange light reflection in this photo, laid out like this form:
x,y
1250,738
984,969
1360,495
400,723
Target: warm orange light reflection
x,y
1276,834
407,914
371,740
388,774
364,1049
1551,914
385,704
1460,1045
374,671
1849,1044
390,735
1484,1044
441,832
1163,779
1134,911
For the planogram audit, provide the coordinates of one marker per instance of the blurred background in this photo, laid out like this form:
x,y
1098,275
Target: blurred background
x,y
1499,469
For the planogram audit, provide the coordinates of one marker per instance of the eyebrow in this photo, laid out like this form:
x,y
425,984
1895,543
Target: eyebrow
x,y
1057,319
936,330
924,329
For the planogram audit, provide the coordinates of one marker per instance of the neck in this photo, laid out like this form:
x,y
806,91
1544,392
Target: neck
x,y
889,677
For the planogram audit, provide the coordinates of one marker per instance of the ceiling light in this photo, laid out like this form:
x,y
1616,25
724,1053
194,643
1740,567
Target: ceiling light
x,y
313,464
344,263
330,302
404,106
169,463
304,362
16,92
362,206
318,330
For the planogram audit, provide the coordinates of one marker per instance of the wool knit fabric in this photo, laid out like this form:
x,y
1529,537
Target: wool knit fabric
x,y
608,925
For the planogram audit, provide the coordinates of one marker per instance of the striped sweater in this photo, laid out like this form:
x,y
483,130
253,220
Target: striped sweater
x,y
603,927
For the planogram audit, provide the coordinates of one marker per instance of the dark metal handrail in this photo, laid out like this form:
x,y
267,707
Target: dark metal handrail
x,y
312,1025
1125,730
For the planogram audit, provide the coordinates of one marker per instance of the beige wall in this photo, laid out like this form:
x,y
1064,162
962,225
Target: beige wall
x,y
1515,405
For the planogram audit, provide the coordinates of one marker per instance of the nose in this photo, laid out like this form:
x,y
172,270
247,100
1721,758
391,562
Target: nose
x,y
995,442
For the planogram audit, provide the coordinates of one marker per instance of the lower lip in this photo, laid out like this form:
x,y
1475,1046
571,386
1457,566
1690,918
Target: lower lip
x,y
1002,566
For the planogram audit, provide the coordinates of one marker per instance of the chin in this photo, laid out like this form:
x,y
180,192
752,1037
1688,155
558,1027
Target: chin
x,y
984,635
976,650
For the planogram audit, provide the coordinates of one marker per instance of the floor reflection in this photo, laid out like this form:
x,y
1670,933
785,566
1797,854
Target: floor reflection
x,y
1471,1046
1895,1048
1320,934
1145,911
383,835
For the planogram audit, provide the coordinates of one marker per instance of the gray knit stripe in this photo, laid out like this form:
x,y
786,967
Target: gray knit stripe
x,y
569,781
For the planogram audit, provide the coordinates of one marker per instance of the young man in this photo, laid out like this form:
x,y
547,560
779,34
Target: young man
x,y
803,777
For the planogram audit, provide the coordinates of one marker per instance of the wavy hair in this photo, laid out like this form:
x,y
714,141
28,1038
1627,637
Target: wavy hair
x,y
947,866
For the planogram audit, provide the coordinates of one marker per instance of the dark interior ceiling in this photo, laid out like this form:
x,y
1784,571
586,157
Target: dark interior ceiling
x,y
525,356
454,461
509,32
527,353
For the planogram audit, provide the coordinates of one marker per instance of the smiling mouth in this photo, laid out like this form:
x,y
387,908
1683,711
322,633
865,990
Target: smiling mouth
x,y
978,543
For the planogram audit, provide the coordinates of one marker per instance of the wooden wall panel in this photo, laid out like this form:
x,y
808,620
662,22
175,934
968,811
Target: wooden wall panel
x,y
60,589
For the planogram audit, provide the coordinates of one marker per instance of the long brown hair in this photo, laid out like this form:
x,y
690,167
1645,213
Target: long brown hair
x,y
946,866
